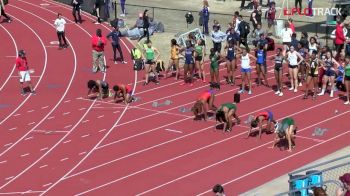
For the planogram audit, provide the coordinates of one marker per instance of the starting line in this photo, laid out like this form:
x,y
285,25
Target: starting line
x,y
172,130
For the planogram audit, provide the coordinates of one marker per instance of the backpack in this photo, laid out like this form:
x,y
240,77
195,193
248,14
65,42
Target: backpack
x,y
135,54
138,65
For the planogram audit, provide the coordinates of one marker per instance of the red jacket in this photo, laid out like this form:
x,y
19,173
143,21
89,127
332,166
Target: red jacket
x,y
98,43
21,64
339,34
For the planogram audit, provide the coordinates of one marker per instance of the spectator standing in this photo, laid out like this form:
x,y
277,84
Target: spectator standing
x,y
257,32
2,11
97,7
244,30
236,20
23,71
339,36
256,17
346,79
76,10
291,24
345,190
114,36
296,5
294,41
122,6
205,17
271,15
98,44
218,190
304,40
145,25
218,37
286,35
60,27
310,12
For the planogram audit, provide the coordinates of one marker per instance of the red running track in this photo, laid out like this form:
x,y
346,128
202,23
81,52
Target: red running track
x,y
59,143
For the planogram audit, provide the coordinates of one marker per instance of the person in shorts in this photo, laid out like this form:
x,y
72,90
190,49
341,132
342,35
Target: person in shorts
x,y
346,79
98,88
23,72
312,67
204,103
246,70
122,91
285,130
259,120
278,70
151,55
225,114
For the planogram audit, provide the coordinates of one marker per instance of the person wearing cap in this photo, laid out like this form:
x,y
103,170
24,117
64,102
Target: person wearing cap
x,y
285,130
23,71
345,190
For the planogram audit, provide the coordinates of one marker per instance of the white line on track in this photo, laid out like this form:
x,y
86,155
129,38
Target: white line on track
x,y
172,130
64,159
48,184
30,111
2,162
309,138
32,123
43,149
82,109
24,155
101,116
44,107
43,166
51,117
14,128
14,66
87,135
82,153
67,126
65,142
102,130
85,121
66,113
16,114
9,178
29,138
67,101
9,144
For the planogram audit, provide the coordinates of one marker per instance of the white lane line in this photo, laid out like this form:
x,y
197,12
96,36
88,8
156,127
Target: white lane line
x,y
67,101
82,109
64,159
8,144
51,117
17,115
102,130
12,128
47,184
32,123
44,107
67,126
172,130
116,112
1,162
65,142
30,111
24,155
85,121
101,116
43,149
9,178
309,138
43,166
66,113
28,138
82,153
87,135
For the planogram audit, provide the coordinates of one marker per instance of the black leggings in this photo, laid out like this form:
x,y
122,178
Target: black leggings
x,y
145,33
115,48
61,36
217,47
296,3
76,9
4,14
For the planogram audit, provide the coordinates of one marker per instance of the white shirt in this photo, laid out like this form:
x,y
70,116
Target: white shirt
x,y
245,62
293,58
287,35
237,23
59,23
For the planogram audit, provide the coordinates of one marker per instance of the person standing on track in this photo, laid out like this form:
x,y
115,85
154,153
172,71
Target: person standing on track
x,y
60,27
293,67
100,87
174,59
114,36
225,113
23,72
204,103
97,7
98,44
122,91
259,121
278,69
189,63
346,79
261,64
2,11
199,53
312,67
330,65
76,10
231,62
152,54
285,130
214,68
246,71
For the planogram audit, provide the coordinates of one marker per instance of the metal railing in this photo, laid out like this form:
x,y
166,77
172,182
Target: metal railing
x,y
328,172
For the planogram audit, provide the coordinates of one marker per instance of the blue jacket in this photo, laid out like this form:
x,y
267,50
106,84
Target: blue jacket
x,y
115,37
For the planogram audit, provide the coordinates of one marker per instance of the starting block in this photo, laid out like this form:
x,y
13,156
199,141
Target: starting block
x,y
135,99
156,104
184,110
319,131
249,120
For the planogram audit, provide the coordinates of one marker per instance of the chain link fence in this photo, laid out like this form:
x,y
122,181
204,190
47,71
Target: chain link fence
x,y
324,175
